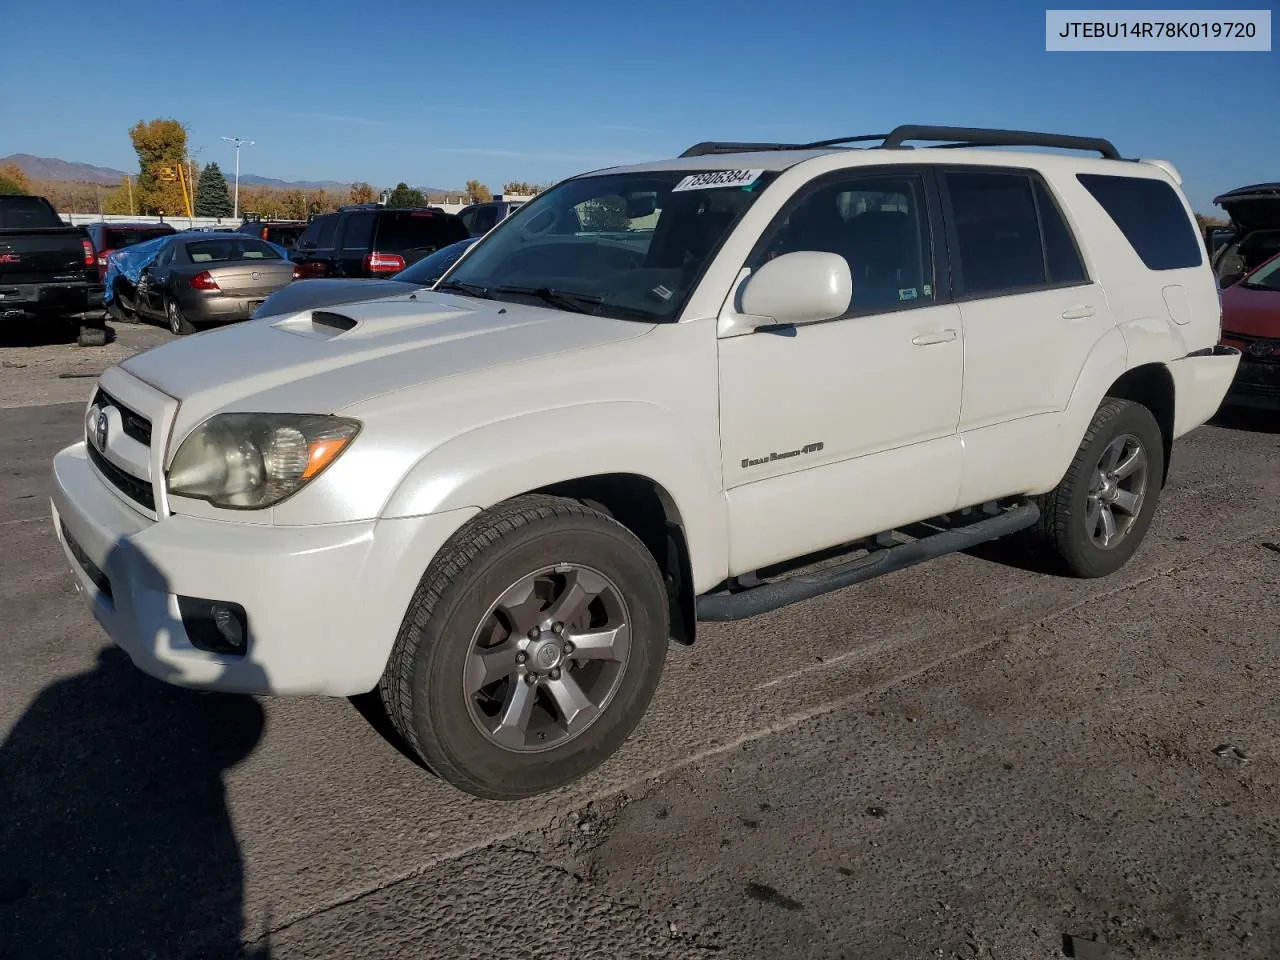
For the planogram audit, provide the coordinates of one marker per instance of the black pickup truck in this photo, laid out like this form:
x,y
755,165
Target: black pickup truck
x,y
48,270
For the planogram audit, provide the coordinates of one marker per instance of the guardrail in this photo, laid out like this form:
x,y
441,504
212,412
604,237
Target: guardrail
x,y
187,223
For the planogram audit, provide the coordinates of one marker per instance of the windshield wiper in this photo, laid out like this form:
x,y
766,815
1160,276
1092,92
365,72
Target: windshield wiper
x,y
470,289
563,299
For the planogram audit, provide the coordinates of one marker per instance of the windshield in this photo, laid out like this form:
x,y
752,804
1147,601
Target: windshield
x,y
625,245
1266,277
209,251
432,267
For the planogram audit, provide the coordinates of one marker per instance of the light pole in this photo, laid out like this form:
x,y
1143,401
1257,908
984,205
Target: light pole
x,y
235,212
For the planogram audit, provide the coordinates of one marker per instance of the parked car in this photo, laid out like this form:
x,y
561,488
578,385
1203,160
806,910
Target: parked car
x,y
284,233
480,218
195,280
48,270
332,293
1251,323
497,501
373,241
108,237
1254,231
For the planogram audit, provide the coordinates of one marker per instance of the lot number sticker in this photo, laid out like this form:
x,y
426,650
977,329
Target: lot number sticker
x,y
718,178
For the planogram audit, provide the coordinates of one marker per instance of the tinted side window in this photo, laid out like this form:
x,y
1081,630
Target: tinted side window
x,y
319,235
1150,215
485,220
417,232
997,231
358,233
1060,252
880,225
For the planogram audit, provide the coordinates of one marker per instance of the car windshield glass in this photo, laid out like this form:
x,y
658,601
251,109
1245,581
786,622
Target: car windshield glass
x,y
431,268
625,245
118,239
1266,277
216,251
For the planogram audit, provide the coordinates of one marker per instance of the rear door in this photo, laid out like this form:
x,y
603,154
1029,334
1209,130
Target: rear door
x,y
315,251
404,237
355,240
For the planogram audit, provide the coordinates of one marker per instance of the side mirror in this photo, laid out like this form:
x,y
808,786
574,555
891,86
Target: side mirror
x,y
797,288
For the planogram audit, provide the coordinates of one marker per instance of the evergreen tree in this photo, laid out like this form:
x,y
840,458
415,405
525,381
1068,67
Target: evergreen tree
x,y
404,196
212,197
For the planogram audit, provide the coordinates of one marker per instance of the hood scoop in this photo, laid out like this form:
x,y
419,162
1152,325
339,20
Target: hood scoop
x,y
367,320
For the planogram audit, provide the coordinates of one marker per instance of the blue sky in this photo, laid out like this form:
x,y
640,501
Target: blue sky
x,y
389,91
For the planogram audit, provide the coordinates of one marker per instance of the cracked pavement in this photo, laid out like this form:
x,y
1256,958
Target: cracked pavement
x,y
964,759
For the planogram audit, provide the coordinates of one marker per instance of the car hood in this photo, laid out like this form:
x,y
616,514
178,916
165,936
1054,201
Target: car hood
x,y
322,361
1254,313
1255,207
308,294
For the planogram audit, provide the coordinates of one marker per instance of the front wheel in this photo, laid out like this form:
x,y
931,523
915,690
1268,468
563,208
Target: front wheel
x,y
530,650
1095,519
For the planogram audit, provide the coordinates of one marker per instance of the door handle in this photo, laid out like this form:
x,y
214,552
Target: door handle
x,y
1077,313
938,336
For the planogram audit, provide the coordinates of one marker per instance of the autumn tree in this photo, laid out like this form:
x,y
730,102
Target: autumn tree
x,y
161,146
213,199
604,215
13,180
520,187
477,192
120,199
362,193
406,196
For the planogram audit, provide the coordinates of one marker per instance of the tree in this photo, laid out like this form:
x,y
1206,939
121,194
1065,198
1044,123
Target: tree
x,y
522,188
213,199
161,146
120,199
477,192
406,196
362,193
13,180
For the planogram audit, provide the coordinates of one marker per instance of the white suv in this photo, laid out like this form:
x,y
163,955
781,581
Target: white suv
x,y
648,398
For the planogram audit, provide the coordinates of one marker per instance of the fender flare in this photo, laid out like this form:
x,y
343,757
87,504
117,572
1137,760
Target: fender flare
x,y
502,459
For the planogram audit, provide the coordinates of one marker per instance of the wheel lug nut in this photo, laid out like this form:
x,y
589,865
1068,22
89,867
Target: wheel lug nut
x,y
534,633
555,673
531,679
568,647
557,627
521,657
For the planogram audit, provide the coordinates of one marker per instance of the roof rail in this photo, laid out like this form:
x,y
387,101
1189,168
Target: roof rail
x,y
714,146
943,137
984,137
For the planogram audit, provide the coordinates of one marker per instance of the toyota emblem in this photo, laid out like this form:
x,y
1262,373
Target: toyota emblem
x,y
100,431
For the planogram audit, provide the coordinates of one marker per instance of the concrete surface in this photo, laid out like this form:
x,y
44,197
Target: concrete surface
x,y
960,760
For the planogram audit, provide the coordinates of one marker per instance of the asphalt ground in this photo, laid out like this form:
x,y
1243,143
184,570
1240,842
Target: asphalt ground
x,y
964,759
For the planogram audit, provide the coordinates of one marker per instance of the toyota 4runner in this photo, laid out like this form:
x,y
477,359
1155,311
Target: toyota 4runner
x,y
654,395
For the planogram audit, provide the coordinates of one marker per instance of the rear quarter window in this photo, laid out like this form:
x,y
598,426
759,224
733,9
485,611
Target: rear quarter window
x,y
1152,218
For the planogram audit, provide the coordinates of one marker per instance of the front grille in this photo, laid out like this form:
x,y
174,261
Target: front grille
x,y
1268,347
130,486
135,424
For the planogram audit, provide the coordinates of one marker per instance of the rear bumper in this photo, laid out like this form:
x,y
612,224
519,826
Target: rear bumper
x,y
1200,384
222,309
62,299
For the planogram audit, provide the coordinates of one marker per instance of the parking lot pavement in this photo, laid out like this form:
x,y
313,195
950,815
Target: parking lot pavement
x,y
963,759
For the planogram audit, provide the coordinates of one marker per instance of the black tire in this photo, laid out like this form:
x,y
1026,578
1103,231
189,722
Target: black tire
x,y
1061,541
422,687
92,335
179,325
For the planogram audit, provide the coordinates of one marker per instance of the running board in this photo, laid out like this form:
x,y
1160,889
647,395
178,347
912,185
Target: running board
x,y
775,594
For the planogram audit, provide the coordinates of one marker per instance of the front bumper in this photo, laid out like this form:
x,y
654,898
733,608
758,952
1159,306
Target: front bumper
x,y
1256,384
323,603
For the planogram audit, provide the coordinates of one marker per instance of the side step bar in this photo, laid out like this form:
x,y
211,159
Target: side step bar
x,y
775,594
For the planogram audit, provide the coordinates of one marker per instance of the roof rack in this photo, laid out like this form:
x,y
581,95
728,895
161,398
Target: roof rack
x,y
941,136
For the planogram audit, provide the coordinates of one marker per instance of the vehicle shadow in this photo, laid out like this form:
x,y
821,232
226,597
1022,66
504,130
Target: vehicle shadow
x,y
1249,419
115,835
39,332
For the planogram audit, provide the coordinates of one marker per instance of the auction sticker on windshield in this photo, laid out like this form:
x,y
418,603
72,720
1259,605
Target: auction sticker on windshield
x,y
718,178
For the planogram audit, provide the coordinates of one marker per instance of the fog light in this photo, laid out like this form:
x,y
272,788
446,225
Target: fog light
x,y
215,626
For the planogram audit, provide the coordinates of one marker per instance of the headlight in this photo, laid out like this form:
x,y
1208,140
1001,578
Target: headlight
x,y
247,461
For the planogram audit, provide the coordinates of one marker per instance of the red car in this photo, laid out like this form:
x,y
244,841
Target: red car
x,y
107,237
1251,323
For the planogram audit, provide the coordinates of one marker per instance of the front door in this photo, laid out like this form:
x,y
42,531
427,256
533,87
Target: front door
x,y
838,430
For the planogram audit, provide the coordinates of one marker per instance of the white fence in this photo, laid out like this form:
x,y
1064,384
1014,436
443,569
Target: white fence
x,y
188,223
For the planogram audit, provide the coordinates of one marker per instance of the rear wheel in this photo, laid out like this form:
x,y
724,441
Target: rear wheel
x,y
531,649
179,325
1096,518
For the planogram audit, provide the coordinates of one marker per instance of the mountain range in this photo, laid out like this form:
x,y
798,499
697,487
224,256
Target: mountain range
x,y
52,168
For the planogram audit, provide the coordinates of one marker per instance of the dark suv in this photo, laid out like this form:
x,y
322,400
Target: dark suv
x,y
373,241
